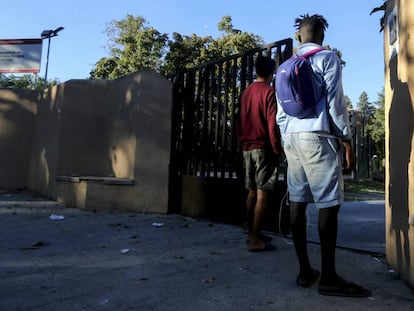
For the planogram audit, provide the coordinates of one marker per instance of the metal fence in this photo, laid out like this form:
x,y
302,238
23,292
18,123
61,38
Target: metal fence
x,y
206,104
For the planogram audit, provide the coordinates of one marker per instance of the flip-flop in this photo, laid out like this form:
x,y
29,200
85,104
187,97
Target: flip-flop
x,y
308,280
263,237
267,248
344,289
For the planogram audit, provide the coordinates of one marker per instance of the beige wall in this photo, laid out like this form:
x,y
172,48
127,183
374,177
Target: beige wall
x,y
399,99
83,136
113,136
17,111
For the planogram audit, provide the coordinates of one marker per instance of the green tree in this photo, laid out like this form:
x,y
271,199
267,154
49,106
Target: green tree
x,y
233,40
377,126
367,109
25,82
368,146
135,45
185,52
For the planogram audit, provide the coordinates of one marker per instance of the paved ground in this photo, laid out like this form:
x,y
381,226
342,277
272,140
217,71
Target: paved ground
x,y
107,261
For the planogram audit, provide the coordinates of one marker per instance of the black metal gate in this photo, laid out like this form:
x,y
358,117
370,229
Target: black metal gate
x,y
206,101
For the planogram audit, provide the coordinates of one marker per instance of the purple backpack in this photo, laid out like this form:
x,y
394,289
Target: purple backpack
x,y
294,86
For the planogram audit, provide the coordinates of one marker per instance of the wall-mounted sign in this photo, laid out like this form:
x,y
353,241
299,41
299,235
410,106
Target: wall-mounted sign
x,y
393,35
20,55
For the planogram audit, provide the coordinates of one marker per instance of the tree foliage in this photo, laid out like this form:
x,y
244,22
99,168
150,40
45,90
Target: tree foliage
x,y
373,118
367,108
135,45
25,82
377,126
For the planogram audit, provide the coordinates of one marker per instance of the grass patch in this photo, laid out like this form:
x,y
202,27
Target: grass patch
x,y
363,186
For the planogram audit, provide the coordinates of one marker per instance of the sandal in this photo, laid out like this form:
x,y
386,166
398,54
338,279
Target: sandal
x,y
265,238
267,248
344,288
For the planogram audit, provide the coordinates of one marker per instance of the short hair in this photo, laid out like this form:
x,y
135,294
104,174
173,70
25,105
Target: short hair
x,y
265,66
315,22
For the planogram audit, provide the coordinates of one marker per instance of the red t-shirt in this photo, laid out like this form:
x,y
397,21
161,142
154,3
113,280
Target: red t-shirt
x,y
257,124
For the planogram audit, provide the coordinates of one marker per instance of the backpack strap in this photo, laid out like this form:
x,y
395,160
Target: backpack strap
x,y
311,52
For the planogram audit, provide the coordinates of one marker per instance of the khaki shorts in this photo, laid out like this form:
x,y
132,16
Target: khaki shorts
x,y
261,169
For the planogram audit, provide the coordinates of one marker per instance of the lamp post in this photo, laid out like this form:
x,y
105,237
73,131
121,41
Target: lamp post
x,y
49,34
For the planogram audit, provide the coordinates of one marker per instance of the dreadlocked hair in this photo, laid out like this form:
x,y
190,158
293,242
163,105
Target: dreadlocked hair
x,y
315,21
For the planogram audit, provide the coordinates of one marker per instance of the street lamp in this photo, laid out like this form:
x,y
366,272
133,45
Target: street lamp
x,y
49,34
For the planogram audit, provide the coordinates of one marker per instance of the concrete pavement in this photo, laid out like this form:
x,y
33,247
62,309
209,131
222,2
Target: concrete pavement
x,y
113,261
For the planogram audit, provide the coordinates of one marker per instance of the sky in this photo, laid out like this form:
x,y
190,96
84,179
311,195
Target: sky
x,y
83,41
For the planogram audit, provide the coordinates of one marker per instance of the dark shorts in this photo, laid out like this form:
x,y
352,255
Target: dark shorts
x,y
261,169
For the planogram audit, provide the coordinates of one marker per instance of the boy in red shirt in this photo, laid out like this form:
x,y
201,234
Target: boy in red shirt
x,y
259,137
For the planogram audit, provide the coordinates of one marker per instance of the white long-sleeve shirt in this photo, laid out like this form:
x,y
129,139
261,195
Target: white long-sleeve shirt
x,y
332,115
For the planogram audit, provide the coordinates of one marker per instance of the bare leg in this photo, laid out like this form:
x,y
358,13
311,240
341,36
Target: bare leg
x,y
259,213
250,206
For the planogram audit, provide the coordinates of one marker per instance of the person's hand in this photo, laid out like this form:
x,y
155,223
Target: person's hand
x,y
349,156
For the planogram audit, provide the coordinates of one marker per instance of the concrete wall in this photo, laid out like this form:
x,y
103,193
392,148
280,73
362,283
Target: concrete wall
x,y
399,113
91,144
66,119
83,136
119,129
17,116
